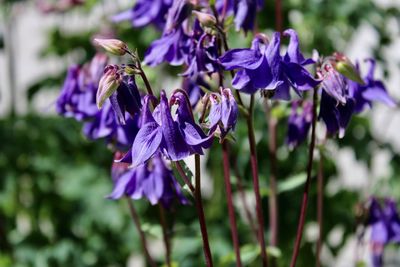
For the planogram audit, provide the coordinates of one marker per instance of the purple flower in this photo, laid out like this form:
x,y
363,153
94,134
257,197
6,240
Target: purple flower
x,y
334,84
152,180
262,67
223,111
203,58
342,97
335,116
146,12
245,13
299,123
176,138
105,125
179,12
385,224
78,95
373,90
126,98
170,48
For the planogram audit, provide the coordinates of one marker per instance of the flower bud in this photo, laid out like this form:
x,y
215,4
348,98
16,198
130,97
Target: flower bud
x,y
229,109
108,84
344,66
113,46
206,20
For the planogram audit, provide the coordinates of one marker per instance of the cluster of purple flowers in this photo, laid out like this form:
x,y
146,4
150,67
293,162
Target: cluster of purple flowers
x,y
384,221
152,133
78,100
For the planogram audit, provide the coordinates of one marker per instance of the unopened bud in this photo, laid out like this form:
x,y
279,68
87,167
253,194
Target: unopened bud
x,y
108,84
206,20
345,67
113,46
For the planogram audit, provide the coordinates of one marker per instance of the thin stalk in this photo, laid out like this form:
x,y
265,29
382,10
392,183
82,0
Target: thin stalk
x,y
256,183
200,212
231,210
320,207
304,202
278,16
164,226
142,74
143,240
273,196
146,82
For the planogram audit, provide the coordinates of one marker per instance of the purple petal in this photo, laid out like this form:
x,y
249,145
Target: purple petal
x,y
146,143
241,58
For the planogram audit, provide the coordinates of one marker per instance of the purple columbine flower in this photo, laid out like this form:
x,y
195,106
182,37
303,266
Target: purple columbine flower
x,y
170,48
122,91
173,43
105,125
262,67
145,12
175,138
342,97
245,13
78,95
385,226
335,116
299,123
152,180
223,112
177,14
203,58
373,90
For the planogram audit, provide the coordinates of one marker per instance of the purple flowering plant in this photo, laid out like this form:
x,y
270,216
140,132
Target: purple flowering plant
x,y
153,131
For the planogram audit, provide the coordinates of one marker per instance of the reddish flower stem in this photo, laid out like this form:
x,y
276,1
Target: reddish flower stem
x,y
304,202
200,212
231,210
256,184
164,226
273,196
320,207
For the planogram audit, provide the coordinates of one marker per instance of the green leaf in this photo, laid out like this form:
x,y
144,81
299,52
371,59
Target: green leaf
x,y
292,182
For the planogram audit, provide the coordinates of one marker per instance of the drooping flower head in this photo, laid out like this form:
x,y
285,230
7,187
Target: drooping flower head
x,y
223,112
299,123
121,90
176,138
203,56
342,96
246,13
78,95
105,125
262,67
153,180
